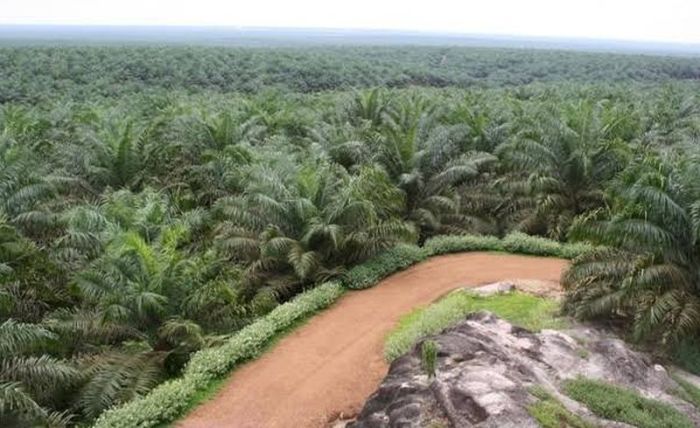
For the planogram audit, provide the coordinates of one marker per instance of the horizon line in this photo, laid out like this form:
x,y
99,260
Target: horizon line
x,y
424,32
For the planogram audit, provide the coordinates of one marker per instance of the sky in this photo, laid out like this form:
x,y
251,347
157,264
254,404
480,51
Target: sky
x,y
643,20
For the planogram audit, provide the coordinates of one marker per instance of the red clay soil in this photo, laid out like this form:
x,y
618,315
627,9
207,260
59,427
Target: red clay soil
x,y
330,365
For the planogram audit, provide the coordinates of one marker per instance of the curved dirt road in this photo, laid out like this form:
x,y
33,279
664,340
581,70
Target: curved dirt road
x,y
332,363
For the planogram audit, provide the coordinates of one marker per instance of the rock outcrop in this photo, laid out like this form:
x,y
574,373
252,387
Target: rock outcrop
x,y
486,368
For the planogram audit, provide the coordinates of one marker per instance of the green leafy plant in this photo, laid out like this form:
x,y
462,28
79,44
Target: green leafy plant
x,y
304,228
565,162
429,352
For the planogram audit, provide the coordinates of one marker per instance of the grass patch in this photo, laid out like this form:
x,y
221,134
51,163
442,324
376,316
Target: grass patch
x,y
525,310
624,405
550,413
205,394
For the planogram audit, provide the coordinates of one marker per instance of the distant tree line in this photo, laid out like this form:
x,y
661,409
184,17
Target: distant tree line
x,y
35,74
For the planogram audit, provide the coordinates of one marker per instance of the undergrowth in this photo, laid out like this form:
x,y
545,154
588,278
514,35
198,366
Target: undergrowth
x,y
623,405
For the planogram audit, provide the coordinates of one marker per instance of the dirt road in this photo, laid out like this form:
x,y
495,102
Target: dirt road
x,y
331,364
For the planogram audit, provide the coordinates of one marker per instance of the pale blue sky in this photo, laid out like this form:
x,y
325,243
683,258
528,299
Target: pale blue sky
x,y
667,20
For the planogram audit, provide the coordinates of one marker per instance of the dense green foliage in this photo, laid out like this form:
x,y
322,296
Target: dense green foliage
x,y
525,310
445,244
156,203
623,405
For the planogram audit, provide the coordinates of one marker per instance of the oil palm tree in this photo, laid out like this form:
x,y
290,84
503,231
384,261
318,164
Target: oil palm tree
x,y
301,228
226,130
22,297
30,384
564,165
428,163
370,107
25,189
649,277
486,127
136,289
138,292
223,149
116,154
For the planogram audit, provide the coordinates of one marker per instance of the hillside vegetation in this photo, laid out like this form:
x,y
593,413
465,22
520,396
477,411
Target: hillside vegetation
x,y
156,201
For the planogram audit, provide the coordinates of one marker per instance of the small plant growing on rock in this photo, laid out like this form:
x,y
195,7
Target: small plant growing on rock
x,y
429,351
583,353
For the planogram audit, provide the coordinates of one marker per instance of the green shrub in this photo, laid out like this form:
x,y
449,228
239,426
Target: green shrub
x,y
518,242
170,399
373,270
624,405
525,310
428,352
575,249
515,242
445,244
